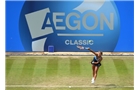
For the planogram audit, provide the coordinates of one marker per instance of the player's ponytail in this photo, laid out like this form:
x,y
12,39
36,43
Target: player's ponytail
x,y
101,52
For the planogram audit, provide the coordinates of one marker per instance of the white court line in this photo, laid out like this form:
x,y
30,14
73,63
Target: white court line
x,y
67,56
44,86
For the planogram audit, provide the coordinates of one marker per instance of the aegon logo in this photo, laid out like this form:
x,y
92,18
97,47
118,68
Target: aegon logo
x,y
81,21
89,26
78,23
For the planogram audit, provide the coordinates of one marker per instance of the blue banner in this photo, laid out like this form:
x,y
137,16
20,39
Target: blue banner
x,y
101,25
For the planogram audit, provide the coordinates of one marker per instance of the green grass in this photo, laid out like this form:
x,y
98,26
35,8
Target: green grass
x,y
75,67
68,71
9,63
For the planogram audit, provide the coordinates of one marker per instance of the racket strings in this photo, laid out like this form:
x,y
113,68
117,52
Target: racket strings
x,y
80,47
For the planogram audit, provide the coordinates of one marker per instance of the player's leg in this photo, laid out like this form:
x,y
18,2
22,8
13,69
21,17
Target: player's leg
x,y
93,72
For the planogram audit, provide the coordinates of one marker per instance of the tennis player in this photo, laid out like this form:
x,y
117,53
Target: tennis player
x,y
96,63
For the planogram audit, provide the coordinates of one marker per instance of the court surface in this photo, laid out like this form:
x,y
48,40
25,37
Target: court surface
x,y
60,72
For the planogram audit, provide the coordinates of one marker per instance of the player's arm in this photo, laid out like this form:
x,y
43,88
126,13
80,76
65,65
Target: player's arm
x,y
92,52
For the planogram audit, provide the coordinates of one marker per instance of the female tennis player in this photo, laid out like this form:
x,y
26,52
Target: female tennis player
x,y
96,63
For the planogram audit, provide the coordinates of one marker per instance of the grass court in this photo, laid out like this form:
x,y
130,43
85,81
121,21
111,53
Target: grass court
x,y
60,72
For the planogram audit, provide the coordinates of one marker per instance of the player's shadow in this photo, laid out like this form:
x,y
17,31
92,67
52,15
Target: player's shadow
x,y
106,86
113,85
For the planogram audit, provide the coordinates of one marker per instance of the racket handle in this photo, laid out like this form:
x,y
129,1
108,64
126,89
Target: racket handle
x,y
86,47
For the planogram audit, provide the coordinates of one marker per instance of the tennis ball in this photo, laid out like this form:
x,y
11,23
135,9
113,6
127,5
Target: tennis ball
x,y
69,86
90,41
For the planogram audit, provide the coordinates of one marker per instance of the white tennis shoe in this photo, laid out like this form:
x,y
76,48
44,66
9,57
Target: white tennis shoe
x,y
92,81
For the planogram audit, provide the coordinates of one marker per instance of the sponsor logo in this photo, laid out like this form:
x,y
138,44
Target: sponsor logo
x,y
89,23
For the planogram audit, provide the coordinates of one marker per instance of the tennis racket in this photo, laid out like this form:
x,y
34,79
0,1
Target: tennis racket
x,y
82,47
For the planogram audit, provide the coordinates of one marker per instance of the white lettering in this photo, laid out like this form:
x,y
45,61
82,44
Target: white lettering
x,y
79,42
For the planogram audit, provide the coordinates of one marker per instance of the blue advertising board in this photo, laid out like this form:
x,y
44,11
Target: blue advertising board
x,y
105,25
